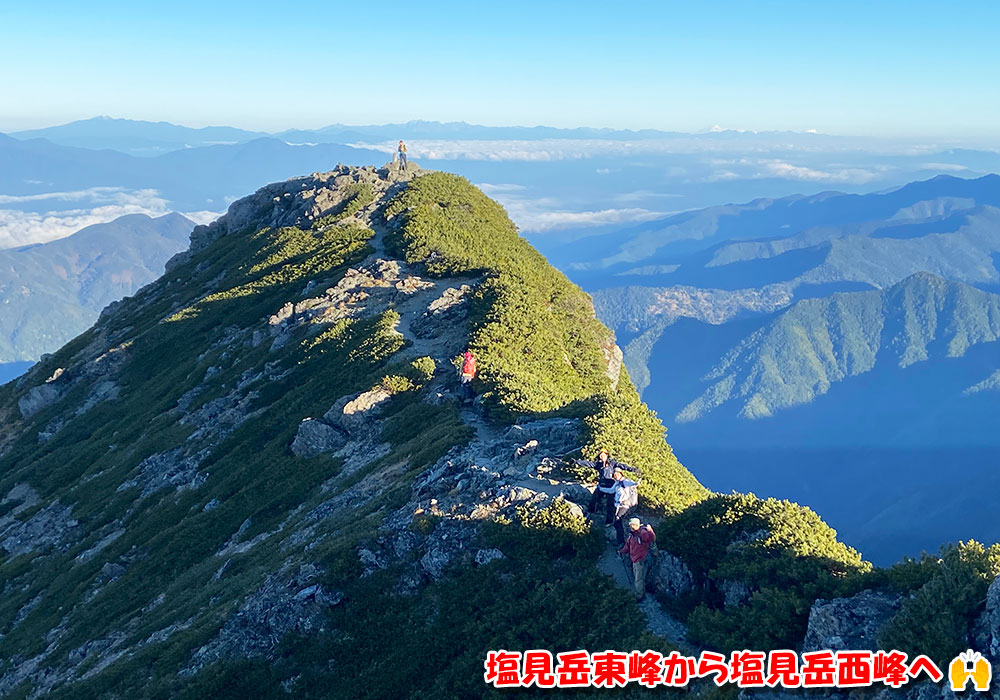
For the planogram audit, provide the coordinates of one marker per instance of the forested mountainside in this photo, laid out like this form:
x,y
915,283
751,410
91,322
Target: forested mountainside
x,y
819,342
736,261
255,478
52,292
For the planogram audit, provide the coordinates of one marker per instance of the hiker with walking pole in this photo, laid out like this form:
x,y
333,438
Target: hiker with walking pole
x,y
640,541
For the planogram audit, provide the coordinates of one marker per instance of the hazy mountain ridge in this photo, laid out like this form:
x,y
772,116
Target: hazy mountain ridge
x,y
817,342
140,137
193,179
668,240
136,137
51,292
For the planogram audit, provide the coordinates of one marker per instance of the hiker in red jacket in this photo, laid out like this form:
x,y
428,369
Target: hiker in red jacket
x,y
640,539
467,374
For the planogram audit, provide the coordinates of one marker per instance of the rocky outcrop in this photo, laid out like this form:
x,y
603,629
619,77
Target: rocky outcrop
x,y
988,637
296,202
673,577
613,358
315,437
285,603
849,623
356,413
176,469
38,398
555,436
449,308
30,527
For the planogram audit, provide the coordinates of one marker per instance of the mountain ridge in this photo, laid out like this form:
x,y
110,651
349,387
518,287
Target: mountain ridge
x,y
845,335
170,449
255,477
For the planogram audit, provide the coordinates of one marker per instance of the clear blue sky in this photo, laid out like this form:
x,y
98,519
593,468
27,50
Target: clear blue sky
x,y
881,68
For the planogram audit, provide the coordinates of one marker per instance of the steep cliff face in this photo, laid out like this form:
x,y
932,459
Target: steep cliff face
x,y
263,456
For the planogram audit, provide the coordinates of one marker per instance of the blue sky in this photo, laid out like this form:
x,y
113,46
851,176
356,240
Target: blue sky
x,y
885,69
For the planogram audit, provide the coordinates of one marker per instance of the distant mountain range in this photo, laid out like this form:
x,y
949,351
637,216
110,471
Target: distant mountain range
x,y
140,138
570,181
789,237
51,292
875,368
734,261
193,179
838,350
145,138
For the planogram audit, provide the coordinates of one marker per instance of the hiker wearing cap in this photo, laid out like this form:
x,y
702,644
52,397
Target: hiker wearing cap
x,y
605,489
401,149
626,497
640,540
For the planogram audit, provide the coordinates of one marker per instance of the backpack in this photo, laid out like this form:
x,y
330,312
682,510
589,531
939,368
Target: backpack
x,y
630,496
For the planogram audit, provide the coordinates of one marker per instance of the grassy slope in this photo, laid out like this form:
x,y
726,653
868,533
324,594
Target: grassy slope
x,y
534,331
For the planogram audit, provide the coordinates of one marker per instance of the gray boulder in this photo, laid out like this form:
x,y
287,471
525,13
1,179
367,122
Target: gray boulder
x,y
577,493
38,398
554,436
356,412
849,623
316,437
485,556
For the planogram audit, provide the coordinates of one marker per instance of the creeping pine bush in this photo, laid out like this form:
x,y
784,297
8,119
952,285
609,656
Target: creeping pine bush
x,y
782,554
937,619
533,331
632,433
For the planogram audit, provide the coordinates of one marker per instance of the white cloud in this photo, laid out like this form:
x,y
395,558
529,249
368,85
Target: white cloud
x,y
554,149
758,169
789,171
548,220
639,195
19,228
489,188
98,195
946,167
202,217
537,214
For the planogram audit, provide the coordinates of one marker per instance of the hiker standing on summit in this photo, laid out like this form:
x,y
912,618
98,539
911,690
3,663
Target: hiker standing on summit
x,y
401,149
